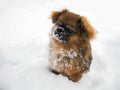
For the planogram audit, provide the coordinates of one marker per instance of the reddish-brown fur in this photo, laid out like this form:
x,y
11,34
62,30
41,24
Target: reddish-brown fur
x,y
79,43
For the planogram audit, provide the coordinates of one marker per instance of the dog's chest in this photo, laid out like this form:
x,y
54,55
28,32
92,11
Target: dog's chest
x,y
61,59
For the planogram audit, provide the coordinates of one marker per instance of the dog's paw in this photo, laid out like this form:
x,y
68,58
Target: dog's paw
x,y
86,66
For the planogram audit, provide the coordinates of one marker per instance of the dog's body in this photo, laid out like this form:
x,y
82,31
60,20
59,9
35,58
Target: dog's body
x,y
70,49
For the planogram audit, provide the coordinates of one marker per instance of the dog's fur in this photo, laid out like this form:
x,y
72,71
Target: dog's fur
x,y
71,58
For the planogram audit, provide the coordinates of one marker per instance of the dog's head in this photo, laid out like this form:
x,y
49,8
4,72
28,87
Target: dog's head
x,y
71,27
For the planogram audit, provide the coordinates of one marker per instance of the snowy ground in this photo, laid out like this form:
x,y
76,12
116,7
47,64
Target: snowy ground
x,y
24,27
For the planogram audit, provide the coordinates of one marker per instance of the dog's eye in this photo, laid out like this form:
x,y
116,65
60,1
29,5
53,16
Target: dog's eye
x,y
70,30
73,32
60,24
66,28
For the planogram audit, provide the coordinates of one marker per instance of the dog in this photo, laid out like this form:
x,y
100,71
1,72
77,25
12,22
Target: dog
x,y
69,47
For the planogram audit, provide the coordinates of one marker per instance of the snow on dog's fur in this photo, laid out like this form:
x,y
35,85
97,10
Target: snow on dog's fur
x,y
69,48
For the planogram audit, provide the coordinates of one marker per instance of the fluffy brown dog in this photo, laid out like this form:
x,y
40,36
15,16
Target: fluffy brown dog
x,y
70,49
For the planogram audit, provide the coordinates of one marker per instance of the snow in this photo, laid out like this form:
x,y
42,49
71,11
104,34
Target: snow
x,y
24,37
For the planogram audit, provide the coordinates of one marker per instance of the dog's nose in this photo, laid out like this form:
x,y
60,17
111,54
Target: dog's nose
x,y
61,34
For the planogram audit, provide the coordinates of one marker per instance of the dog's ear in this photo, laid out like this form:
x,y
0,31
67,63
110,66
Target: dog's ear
x,y
55,15
86,28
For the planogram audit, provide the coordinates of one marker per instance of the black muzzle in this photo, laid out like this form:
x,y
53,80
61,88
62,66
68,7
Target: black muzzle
x,y
62,33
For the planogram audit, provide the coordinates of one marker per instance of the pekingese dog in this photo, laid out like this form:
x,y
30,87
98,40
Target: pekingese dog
x,y
69,47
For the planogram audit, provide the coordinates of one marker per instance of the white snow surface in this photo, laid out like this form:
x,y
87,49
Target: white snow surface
x,y
24,38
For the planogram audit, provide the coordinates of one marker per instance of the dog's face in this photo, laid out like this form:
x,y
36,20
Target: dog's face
x,y
63,32
70,27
